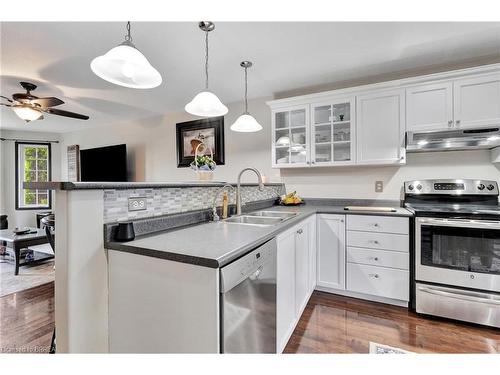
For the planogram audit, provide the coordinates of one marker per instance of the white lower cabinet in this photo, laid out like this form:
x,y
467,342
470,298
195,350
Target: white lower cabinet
x,y
378,281
331,251
285,298
296,251
368,258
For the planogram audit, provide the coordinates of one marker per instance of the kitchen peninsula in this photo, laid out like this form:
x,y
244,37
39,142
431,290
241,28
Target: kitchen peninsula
x,y
176,258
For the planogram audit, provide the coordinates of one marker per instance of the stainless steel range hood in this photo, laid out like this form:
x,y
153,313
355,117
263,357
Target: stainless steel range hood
x,y
453,139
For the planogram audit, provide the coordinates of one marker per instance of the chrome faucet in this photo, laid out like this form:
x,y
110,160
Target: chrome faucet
x,y
238,187
216,217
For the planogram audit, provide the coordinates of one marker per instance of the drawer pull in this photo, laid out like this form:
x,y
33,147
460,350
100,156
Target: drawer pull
x,y
300,231
375,259
375,225
375,275
375,242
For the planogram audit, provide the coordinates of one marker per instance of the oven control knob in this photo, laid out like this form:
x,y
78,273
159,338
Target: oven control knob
x,y
490,187
410,187
419,187
481,186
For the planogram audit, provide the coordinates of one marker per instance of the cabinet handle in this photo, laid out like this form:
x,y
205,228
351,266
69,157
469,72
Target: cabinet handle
x,y
457,123
313,162
375,259
300,231
375,225
341,221
374,275
375,242
450,123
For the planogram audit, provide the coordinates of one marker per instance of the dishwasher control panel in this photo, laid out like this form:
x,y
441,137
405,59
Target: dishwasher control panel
x,y
244,267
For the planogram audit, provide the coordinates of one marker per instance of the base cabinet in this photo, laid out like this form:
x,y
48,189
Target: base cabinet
x,y
331,251
296,251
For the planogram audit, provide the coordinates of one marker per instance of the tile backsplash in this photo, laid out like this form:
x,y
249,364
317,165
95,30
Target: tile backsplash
x,y
162,201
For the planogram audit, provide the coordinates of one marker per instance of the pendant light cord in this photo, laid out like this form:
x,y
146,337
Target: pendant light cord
x,y
246,91
128,37
206,60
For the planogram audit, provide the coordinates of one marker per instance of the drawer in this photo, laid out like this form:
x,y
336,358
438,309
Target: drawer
x,y
384,258
384,224
382,241
378,281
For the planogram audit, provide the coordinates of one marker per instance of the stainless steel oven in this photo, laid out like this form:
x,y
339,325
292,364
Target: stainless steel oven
x,y
457,264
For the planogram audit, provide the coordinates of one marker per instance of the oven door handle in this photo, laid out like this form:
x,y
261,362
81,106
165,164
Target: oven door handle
x,y
461,296
465,223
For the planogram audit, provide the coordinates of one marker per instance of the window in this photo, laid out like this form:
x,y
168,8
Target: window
x,y
32,165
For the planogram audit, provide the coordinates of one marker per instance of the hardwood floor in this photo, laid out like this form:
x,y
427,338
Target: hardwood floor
x,y
27,320
337,324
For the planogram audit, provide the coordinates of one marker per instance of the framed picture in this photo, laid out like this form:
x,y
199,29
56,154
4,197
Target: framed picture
x,y
190,134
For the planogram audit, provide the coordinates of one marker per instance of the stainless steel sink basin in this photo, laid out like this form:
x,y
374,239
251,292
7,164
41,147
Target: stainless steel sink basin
x,y
254,220
279,214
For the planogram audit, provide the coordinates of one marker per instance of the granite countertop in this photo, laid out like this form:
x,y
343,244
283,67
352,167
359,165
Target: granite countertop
x,y
66,185
215,244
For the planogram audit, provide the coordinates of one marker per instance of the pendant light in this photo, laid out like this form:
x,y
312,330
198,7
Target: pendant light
x,y
206,103
126,66
246,123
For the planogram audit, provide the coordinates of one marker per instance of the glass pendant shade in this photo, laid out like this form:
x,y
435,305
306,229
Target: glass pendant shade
x,y
27,113
206,104
126,66
246,124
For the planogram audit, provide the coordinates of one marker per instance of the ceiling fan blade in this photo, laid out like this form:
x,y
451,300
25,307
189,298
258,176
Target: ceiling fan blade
x,y
47,102
9,100
60,112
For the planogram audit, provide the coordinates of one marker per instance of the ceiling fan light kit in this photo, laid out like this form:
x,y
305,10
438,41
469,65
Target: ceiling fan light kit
x,y
126,66
246,123
206,103
30,108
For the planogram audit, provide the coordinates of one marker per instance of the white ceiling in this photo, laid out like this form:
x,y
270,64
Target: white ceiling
x,y
286,56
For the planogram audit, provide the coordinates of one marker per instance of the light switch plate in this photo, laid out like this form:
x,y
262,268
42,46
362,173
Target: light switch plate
x,y
379,186
137,204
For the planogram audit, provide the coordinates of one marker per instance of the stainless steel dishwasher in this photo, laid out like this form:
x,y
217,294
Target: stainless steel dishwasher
x,y
248,302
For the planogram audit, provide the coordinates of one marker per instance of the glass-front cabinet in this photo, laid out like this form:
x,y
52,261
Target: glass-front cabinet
x,y
332,132
291,137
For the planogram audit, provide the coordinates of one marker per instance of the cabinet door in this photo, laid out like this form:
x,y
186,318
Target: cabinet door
x,y
285,299
477,101
290,147
429,107
312,253
381,127
301,268
331,251
332,132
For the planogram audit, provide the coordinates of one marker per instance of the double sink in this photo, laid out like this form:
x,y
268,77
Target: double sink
x,y
261,218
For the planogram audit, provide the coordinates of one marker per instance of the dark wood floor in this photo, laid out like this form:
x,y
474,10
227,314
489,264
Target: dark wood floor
x,y
27,320
336,324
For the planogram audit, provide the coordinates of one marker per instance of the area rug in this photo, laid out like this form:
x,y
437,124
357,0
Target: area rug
x,y
29,276
376,348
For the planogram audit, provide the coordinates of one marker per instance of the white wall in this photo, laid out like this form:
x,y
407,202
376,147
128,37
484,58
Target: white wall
x,y
151,146
152,157
20,218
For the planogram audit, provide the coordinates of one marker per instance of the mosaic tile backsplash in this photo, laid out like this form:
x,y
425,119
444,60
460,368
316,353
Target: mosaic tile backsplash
x,y
164,201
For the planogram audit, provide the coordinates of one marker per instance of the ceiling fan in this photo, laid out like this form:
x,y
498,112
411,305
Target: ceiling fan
x,y
30,108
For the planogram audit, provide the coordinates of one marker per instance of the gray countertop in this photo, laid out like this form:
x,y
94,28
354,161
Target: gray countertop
x,y
66,185
215,244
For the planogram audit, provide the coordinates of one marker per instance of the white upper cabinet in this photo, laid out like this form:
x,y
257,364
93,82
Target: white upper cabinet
x,y
429,107
290,128
477,101
381,127
333,132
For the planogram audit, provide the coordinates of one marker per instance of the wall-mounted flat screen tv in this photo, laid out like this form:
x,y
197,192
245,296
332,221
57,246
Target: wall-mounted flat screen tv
x,y
104,164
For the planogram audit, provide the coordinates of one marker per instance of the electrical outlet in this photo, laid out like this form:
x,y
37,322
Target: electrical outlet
x,y
379,186
137,204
